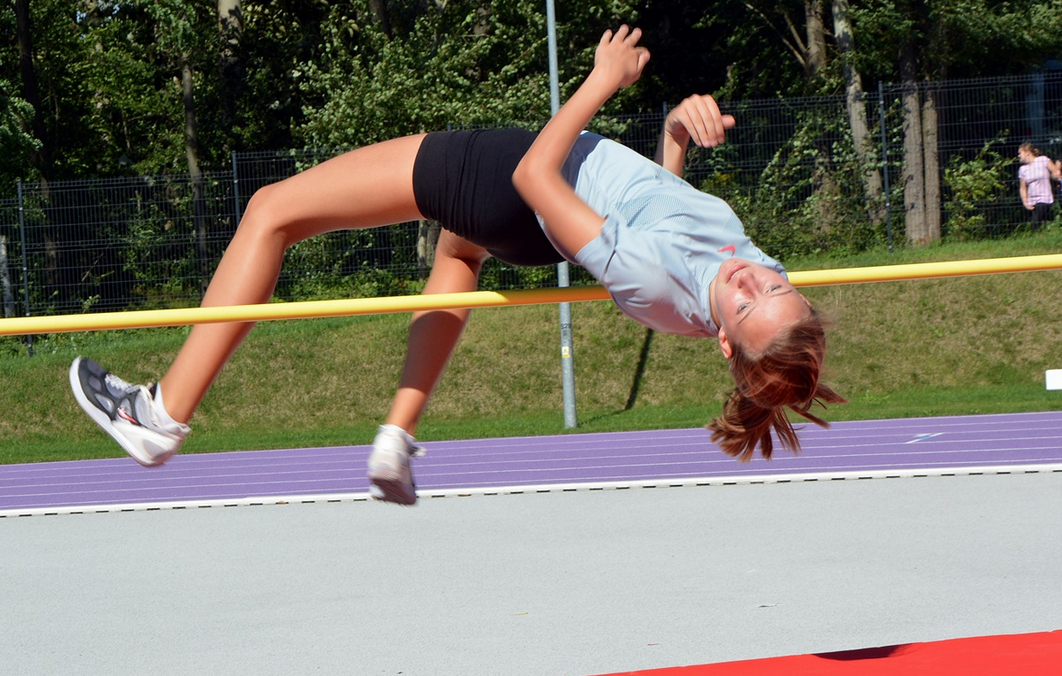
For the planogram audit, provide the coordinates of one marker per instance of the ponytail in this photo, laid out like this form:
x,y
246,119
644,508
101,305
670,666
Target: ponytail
x,y
786,375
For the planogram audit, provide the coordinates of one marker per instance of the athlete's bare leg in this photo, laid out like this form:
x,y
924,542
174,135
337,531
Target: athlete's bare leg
x,y
364,188
433,334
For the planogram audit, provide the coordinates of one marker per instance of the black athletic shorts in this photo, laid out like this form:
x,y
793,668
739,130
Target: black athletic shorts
x,y
463,180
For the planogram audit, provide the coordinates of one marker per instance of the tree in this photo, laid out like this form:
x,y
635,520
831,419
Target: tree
x,y
915,151
815,62
807,46
179,32
447,63
922,41
855,103
41,151
230,28
16,141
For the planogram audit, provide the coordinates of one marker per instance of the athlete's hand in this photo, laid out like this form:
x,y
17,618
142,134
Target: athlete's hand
x,y
619,58
698,119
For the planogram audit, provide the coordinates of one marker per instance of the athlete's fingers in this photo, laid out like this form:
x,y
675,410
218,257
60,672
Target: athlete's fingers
x,y
706,124
717,133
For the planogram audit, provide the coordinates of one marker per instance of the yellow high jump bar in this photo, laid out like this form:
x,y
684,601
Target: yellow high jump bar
x,y
364,306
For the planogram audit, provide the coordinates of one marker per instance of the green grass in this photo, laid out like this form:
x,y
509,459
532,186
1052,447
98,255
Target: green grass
x,y
898,349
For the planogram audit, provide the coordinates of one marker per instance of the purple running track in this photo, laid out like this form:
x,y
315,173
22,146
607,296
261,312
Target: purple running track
x,y
527,463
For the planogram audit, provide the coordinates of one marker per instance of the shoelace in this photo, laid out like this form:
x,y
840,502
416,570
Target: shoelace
x,y
135,392
117,383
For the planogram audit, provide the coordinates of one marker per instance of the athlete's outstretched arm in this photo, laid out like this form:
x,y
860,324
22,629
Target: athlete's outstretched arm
x,y
696,119
570,223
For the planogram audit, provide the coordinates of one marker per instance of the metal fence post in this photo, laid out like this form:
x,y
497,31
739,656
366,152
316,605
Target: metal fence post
x,y
567,365
25,265
236,190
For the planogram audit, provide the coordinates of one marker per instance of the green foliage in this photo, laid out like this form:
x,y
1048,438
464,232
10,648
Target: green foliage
x,y
810,197
972,186
334,73
351,264
15,141
750,44
462,63
956,38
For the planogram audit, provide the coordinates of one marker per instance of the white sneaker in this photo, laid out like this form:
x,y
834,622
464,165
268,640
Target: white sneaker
x,y
127,413
389,473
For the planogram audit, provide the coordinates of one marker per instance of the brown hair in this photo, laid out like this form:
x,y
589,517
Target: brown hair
x,y
1030,148
786,374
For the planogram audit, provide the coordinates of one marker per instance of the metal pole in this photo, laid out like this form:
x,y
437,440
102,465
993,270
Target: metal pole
x,y
567,365
885,165
25,266
236,189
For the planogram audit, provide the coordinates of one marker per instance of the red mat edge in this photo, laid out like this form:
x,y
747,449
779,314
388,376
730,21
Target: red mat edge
x,y
1037,654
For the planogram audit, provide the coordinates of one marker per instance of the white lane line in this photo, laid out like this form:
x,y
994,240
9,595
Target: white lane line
x,y
544,488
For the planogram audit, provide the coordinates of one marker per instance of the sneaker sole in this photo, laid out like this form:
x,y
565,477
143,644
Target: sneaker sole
x,y
387,486
105,422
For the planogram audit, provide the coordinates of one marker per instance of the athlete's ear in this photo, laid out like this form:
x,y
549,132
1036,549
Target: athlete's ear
x,y
724,344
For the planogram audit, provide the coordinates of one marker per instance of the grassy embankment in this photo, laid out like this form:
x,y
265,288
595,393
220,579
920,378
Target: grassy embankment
x,y
952,346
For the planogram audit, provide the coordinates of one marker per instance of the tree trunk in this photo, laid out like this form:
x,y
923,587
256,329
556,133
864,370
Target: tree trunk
x,y
230,25
855,103
5,280
191,146
42,158
824,183
230,22
815,61
379,10
931,163
914,183
427,238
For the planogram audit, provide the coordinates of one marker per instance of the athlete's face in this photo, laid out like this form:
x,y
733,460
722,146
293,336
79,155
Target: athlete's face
x,y
751,303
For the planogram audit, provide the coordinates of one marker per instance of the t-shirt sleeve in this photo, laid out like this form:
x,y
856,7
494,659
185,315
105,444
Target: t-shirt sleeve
x,y
646,278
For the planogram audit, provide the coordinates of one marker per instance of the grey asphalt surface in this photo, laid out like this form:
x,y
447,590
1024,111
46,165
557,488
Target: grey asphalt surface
x,y
568,583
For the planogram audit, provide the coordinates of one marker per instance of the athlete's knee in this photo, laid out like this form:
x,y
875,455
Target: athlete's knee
x,y
268,214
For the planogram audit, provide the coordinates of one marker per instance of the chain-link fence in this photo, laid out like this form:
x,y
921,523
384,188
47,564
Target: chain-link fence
x,y
806,175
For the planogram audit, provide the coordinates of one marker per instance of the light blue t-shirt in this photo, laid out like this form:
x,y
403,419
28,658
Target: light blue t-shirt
x,y
662,241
